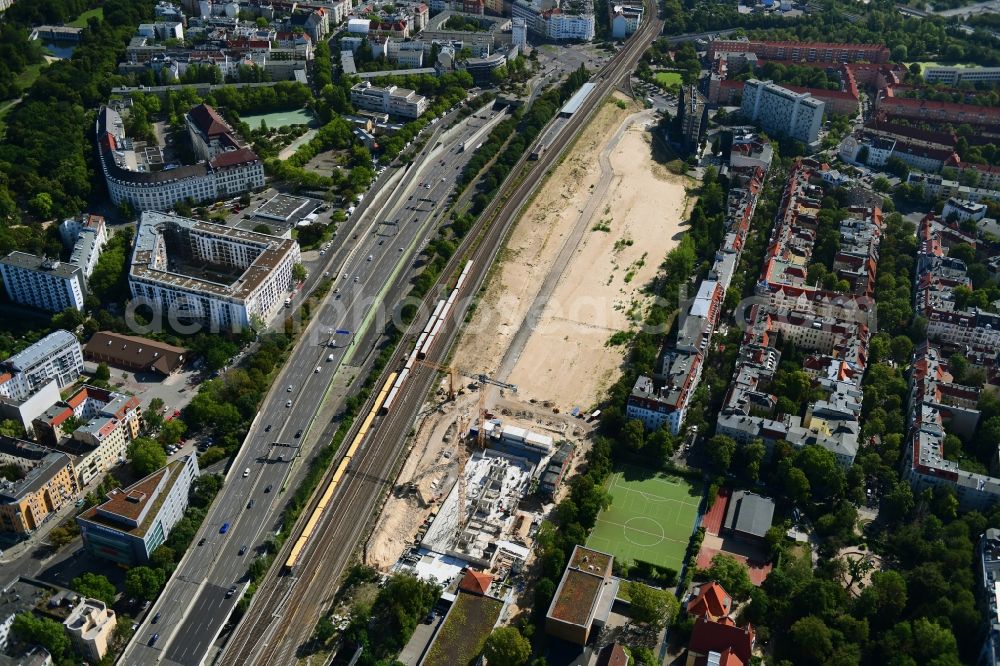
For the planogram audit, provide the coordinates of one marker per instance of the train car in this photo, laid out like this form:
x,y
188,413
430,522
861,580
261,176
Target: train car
x,y
390,399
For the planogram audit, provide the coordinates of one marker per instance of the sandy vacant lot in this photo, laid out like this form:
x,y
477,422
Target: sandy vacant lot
x,y
614,213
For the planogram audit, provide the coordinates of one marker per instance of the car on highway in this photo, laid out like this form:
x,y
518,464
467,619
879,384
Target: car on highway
x,y
243,549
231,591
249,505
316,370
267,489
370,257
268,428
298,433
224,528
356,278
201,541
329,358
153,639
156,618
288,403
246,472
289,389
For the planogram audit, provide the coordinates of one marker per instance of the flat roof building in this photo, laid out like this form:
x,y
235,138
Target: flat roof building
x,y
91,626
47,284
582,602
128,526
748,515
50,483
388,99
56,356
781,111
225,277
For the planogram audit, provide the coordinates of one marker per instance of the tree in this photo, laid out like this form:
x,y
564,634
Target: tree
x,y
95,586
634,434
103,373
41,205
299,273
731,574
651,606
720,452
810,641
41,630
172,431
12,428
507,647
60,536
324,630
147,456
144,582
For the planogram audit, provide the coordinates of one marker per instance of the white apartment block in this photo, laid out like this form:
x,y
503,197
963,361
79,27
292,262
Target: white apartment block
x,y
132,178
56,356
953,76
570,26
47,284
259,265
91,625
389,99
556,20
86,235
781,111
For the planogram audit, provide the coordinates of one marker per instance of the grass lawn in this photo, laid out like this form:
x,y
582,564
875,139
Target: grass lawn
x,y
668,79
81,20
27,78
650,519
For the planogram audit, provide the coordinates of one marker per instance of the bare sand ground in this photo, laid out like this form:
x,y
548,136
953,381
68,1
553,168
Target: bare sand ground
x,y
637,208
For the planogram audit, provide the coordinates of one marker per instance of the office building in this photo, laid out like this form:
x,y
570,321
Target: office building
x,y
132,522
56,356
780,111
48,485
222,276
136,174
388,99
47,284
519,33
91,625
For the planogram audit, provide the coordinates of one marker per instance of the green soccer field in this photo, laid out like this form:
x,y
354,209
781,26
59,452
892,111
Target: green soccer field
x,y
650,518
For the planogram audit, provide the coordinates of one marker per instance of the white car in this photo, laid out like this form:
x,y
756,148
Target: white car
x,y
317,370
289,389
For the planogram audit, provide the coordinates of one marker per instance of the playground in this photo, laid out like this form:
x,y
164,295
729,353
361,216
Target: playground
x,y
650,519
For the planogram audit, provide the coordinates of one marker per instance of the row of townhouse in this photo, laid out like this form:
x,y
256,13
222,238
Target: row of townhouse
x,y
934,299
938,406
831,327
663,400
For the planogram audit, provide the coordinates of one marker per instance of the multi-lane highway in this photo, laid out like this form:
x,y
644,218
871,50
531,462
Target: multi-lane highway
x,y
286,607
370,268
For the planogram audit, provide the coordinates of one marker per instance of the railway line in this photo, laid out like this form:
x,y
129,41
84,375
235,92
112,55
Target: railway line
x,y
291,599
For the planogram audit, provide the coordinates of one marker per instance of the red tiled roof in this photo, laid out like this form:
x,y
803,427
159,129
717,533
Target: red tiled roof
x,y
233,157
613,655
708,636
208,120
712,600
476,582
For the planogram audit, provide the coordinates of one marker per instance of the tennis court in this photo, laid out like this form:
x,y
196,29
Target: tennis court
x,y
650,518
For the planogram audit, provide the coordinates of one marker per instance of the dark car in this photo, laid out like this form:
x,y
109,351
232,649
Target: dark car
x,y
250,504
268,428
231,591
156,618
268,488
298,433
243,549
153,639
224,528
201,541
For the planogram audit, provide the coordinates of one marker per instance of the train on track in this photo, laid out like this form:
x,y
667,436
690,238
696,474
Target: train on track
x,y
387,395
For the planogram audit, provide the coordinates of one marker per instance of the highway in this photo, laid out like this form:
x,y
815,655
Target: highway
x,y
372,266
285,609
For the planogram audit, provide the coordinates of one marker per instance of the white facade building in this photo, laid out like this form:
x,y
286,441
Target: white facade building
x,y
87,235
519,33
953,76
91,625
56,356
260,266
131,178
561,26
389,99
48,284
781,111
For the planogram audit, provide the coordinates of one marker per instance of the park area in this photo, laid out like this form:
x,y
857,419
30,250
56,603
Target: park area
x,y
650,519
668,80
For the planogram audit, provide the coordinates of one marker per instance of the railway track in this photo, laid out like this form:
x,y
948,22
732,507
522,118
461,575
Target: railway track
x,y
285,608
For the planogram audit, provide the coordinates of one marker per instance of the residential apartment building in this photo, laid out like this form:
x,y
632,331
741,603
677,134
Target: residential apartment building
x,y
252,272
802,51
132,522
388,99
989,577
137,175
47,284
831,328
930,111
91,625
48,485
940,187
937,403
86,235
780,111
694,116
554,20
57,357
210,134
953,76
106,424
625,16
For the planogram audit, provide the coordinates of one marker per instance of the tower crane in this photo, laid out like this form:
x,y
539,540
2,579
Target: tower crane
x,y
448,370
